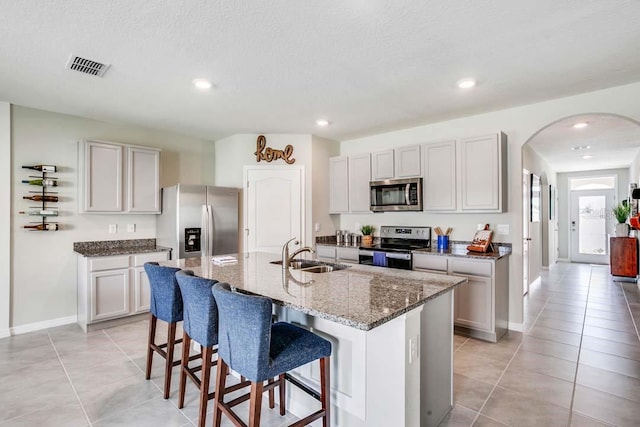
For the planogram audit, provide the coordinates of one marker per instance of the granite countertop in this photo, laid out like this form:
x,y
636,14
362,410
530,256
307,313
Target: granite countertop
x,y
117,247
362,297
459,249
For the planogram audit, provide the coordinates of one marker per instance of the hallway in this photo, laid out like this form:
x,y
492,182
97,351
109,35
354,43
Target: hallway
x,y
577,364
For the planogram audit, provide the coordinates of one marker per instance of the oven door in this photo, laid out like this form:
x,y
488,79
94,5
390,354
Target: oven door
x,y
401,260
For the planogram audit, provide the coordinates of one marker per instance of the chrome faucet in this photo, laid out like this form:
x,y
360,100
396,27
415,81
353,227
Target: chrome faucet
x,y
286,258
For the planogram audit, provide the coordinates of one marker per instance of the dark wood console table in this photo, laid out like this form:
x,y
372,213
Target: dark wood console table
x,y
624,256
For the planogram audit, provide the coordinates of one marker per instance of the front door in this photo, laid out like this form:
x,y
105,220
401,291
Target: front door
x,y
590,223
274,207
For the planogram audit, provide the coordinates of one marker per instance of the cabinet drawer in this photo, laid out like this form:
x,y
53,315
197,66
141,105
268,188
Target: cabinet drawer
x,y
348,254
475,268
327,252
430,262
140,259
109,263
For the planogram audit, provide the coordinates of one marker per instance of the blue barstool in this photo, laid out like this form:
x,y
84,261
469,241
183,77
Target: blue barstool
x,y
259,350
166,305
200,325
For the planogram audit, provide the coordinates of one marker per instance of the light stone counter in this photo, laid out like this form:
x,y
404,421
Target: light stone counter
x,y
362,297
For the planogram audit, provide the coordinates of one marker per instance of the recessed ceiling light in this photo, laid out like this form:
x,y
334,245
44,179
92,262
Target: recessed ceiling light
x,y
466,83
587,156
322,122
580,147
580,125
202,84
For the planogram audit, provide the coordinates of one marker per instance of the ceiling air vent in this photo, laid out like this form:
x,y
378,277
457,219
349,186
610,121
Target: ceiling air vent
x,y
86,66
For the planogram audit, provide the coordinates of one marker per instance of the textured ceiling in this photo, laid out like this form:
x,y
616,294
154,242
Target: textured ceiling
x,y
366,65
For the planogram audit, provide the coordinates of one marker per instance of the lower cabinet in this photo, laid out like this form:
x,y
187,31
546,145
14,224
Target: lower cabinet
x,y
334,253
326,253
481,306
347,254
113,287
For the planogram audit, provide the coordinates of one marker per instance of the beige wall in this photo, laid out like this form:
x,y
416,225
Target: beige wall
x,y
5,218
43,283
519,124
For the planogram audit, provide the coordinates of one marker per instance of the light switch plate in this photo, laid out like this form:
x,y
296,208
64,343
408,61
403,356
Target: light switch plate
x,y
113,228
503,229
316,226
131,228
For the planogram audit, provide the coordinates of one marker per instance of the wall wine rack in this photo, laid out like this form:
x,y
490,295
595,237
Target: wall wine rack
x,y
44,196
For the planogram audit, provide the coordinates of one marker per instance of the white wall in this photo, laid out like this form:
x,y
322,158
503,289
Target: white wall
x,y
564,202
322,150
519,124
5,218
43,263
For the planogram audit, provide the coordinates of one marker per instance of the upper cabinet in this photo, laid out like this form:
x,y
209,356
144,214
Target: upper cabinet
x,y
107,186
468,175
349,184
403,162
338,185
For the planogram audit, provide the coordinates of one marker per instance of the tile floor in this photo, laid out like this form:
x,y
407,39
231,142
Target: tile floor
x,y
578,364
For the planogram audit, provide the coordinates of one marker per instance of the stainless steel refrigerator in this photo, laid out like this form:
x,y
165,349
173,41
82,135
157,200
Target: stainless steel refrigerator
x,y
198,220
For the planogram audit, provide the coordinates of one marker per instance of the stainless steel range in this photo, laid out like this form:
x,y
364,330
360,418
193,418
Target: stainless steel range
x,y
396,244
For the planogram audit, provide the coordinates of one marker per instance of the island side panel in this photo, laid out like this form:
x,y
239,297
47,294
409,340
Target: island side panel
x,y
436,348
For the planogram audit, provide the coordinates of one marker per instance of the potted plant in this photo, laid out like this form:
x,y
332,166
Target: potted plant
x,y
622,212
367,234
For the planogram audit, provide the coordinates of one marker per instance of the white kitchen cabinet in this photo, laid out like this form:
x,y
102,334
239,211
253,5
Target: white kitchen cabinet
x,y
326,253
407,161
113,287
339,184
382,165
440,179
483,173
359,177
468,175
481,306
107,187
345,254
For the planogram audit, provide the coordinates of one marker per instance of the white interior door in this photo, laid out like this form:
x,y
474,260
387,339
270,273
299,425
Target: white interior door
x,y
590,224
274,207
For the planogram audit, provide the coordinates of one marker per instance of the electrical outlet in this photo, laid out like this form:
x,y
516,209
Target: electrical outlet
x,y
316,226
113,228
413,348
503,229
131,228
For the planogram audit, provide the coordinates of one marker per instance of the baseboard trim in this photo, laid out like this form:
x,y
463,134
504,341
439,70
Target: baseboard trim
x,y
38,326
517,327
563,260
5,333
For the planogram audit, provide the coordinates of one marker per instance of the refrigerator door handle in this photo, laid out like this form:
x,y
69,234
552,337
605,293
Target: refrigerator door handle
x,y
210,229
204,231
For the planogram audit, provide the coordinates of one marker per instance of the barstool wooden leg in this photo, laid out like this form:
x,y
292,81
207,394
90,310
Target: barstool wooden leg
x,y
152,336
204,384
184,363
221,383
282,389
272,400
171,343
325,390
255,404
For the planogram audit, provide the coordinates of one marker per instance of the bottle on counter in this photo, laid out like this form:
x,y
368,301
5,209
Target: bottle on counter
x,y
40,212
44,182
41,198
41,168
42,227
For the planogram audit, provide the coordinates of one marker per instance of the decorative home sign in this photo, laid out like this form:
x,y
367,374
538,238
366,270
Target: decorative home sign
x,y
269,154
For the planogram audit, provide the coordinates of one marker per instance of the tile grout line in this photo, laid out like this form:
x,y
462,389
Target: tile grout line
x,y
75,392
141,371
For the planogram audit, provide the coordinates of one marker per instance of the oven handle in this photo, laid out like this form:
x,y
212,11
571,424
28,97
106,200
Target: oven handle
x,y
365,253
396,255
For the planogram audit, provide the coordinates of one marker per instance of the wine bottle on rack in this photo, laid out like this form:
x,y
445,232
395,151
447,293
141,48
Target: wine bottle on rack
x,y
43,182
40,212
41,198
42,227
41,168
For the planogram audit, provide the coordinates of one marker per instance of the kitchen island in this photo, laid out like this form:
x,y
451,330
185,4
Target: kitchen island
x,y
391,330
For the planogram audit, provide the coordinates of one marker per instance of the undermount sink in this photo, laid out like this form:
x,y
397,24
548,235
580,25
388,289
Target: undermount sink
x,y
311,266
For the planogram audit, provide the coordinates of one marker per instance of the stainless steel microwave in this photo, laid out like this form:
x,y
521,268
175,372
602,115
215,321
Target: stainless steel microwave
x,y
396,195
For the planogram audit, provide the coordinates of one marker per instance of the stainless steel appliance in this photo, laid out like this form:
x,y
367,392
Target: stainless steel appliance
x,y
396,195
396,244
198,220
